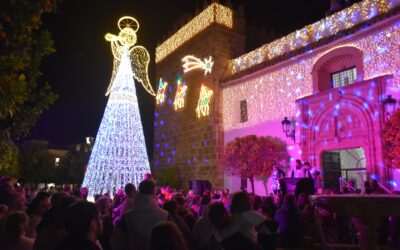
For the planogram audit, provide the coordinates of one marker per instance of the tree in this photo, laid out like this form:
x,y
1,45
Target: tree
x,y
37,165
72,167
391,140
253,156
23,98
170,177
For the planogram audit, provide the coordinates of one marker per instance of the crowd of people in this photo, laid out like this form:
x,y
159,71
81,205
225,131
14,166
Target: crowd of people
x,y
152,217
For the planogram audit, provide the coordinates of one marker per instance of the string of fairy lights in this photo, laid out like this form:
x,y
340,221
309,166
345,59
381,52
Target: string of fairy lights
x,y
329,26
272,95
214,13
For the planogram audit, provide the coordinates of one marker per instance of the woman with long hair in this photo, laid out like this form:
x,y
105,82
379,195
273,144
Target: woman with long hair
x,y
14,233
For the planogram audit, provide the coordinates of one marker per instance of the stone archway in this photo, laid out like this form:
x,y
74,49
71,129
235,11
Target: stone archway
x,y
343,118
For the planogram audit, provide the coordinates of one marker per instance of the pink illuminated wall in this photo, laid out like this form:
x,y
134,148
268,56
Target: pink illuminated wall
x,y
271,93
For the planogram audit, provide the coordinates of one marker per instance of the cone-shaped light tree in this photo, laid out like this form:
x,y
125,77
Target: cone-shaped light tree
x,y
119,153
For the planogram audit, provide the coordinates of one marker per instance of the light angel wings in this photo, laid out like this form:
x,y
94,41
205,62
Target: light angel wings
x,y
139,56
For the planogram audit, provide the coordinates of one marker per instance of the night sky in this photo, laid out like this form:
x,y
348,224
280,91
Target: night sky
x,y
80,69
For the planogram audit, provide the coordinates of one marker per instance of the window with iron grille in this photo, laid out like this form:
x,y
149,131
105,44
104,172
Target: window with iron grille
x,y
243,111
344,77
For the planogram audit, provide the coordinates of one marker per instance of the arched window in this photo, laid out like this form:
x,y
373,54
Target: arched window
x,y
338,67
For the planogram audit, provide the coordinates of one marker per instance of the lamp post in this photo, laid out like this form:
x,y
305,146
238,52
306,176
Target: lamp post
x,y
288,129
390,106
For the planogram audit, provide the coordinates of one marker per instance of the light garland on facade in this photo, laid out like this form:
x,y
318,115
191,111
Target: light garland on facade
x,y
191,62
119,154
214,13
272,95
203,105
179,101
162,86
329,26
139,55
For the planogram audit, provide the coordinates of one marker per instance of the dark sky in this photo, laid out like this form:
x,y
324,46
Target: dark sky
x,y
80,69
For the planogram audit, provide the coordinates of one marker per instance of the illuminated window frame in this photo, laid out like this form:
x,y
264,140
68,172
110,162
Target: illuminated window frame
x,y
215,13
338,77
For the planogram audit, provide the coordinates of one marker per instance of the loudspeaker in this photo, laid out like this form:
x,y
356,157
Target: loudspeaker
x,y
199,186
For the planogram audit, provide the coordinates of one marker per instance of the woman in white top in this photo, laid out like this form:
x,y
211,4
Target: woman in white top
x,y
244,216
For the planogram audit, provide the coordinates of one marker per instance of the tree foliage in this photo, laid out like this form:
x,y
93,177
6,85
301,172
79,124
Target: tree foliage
x,y
37,165
391,138
72,167
23,45
170,177
252,156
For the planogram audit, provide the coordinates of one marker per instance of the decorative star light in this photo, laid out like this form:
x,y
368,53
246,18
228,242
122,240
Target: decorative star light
x,y
203,107
191,62
139,56
179,101
162,86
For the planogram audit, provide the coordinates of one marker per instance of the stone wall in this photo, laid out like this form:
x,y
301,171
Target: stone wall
x,y
181,139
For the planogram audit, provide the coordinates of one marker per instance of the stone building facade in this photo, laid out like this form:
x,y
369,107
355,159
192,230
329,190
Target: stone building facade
x,y
181,139
292,77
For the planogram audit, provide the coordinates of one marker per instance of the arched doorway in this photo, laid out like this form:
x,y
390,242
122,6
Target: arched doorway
x,y
349,164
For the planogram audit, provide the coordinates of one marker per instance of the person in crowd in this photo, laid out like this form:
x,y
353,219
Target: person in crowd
x,y
194,205
119,198
306,171
182,210
84,227
297,171
349,188
367,187
277,174
40,204
166,236
190,196
56,198
133,231
316,176
84,191
3,211
51,230
227,235
268,231
172,208
204,201
375,188
278,200
127,204
302,201
15,202
202,231
244,217
291,224
14,237
148,176
103,204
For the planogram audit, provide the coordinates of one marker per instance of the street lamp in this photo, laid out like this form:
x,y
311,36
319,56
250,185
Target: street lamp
x,y
288,129
390,106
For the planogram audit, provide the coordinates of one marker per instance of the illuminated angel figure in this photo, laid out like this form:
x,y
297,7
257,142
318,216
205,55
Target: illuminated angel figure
x,y
192,62
179,101
162,86
139,56
119,154
203,107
